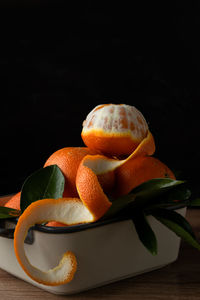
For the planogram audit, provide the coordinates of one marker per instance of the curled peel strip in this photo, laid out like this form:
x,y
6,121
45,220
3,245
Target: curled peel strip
x,y
66,210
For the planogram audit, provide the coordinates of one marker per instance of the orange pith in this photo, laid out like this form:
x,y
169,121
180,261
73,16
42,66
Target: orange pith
x,y
114,129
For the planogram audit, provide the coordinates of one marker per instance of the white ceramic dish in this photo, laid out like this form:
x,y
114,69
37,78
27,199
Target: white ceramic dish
x,y
105,253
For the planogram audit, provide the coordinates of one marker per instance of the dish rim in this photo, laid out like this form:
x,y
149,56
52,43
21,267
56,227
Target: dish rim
x,y
77,227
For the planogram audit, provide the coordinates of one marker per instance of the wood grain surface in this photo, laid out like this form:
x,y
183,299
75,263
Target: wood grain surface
x,y
179,280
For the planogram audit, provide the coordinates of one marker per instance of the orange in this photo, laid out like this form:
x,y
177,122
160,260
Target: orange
x,y
68,160
14,201
55,224
136,171
4,200
115,130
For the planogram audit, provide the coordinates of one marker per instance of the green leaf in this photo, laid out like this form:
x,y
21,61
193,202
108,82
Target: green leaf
x,y
119,205
143,195
194,202
171,199
152,192
155,187
178,224
145,232
45,183
6,212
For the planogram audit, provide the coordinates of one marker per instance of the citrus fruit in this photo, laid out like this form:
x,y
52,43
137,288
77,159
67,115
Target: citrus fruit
x,y
55,224
114,130
14,201
66,210
136,171
4,200
68,160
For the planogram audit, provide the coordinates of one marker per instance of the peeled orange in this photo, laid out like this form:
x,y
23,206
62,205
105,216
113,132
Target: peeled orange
x,y
114,129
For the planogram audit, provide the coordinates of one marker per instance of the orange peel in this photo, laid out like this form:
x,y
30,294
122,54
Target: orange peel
x,y
88,186
114,129
66,210
146,147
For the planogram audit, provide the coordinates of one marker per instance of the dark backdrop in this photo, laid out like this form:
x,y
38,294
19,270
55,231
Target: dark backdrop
x,y
58,62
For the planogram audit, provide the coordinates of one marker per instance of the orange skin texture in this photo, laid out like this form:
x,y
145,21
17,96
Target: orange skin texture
x,y
136,171
68,160
89,189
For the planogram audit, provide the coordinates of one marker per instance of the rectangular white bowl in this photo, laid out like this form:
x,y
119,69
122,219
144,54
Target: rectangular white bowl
x,y
105,253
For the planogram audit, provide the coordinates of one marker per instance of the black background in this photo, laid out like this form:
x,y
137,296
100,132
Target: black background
x,y
57,62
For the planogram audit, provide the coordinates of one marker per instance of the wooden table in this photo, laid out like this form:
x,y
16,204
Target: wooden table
x,y
180,280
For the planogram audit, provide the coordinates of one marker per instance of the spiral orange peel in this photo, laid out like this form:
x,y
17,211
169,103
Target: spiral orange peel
x,y
66,210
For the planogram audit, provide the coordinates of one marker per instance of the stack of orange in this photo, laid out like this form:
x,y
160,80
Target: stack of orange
x,y
114,132
118,157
